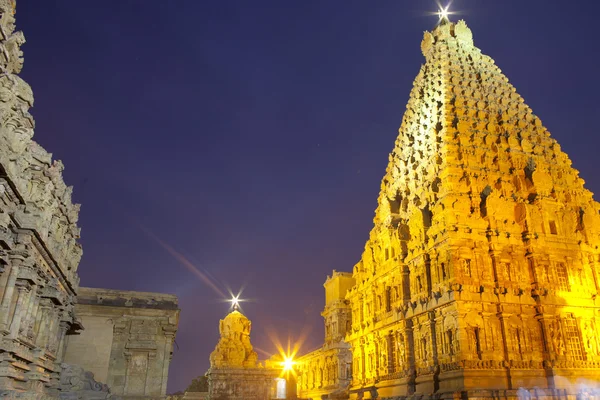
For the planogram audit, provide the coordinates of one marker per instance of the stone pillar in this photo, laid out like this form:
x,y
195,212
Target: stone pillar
x,y
29,319
503,318
548,346
150,362
8,293
62,336
20,309
594,271
390,354
376,356
128,356
435,351
169,334
52,331
362,375
405,284
33,318
44,314
410,356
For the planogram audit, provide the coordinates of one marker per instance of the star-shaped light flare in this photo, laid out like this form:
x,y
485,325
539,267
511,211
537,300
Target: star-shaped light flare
x,y
444,12
235,302
235,299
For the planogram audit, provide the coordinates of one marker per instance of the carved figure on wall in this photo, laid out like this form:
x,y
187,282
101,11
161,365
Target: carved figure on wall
x,y
590,340
556,339
401,351
466,267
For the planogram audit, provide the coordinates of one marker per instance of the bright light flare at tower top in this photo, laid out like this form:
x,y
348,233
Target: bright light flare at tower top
x,y
235,302
444,12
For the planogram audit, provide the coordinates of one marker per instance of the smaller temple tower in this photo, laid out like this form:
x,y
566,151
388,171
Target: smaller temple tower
x,y
337,313
235,373
327,370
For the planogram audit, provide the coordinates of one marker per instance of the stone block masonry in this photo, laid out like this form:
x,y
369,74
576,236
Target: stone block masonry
x,y
127,341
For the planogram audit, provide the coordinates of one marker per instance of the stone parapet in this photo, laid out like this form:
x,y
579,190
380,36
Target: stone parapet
x,y
126,298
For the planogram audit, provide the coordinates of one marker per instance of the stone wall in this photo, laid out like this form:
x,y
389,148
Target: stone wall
x,y
242,383
127,340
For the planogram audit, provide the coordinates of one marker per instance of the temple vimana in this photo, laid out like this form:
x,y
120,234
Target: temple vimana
x,y
480,276
479,279
59,340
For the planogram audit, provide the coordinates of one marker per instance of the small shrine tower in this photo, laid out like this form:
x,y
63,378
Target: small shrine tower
x,y
235,373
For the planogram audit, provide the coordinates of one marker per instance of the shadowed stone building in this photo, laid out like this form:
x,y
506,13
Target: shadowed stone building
x,y
39,257
480,276
128,340
39,248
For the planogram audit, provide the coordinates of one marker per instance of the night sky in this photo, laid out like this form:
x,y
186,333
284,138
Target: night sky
x,y
250,137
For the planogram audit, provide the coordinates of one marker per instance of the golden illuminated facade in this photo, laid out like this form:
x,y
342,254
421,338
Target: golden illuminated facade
x,y
327,371
479,277
235,373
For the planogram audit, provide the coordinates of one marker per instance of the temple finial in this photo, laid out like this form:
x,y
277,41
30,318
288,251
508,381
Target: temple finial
x,y
444,13
235,303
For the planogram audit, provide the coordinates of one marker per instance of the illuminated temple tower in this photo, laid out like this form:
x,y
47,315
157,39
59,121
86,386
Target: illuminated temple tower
x,y
480,273
235,373
327,370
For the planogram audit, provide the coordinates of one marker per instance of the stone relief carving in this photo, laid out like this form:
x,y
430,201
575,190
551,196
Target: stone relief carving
x,y
76,384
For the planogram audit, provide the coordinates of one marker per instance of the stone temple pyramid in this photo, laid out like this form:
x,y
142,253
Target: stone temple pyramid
x,y
480,275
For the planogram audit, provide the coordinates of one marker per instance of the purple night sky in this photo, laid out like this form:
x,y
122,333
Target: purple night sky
x,y
251,136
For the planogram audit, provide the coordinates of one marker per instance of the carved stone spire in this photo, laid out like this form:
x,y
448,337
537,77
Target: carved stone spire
x,y
36,178
11,41
234,349
487,232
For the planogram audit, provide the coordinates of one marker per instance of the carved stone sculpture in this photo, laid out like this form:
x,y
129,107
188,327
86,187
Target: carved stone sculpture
x,y
76,384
